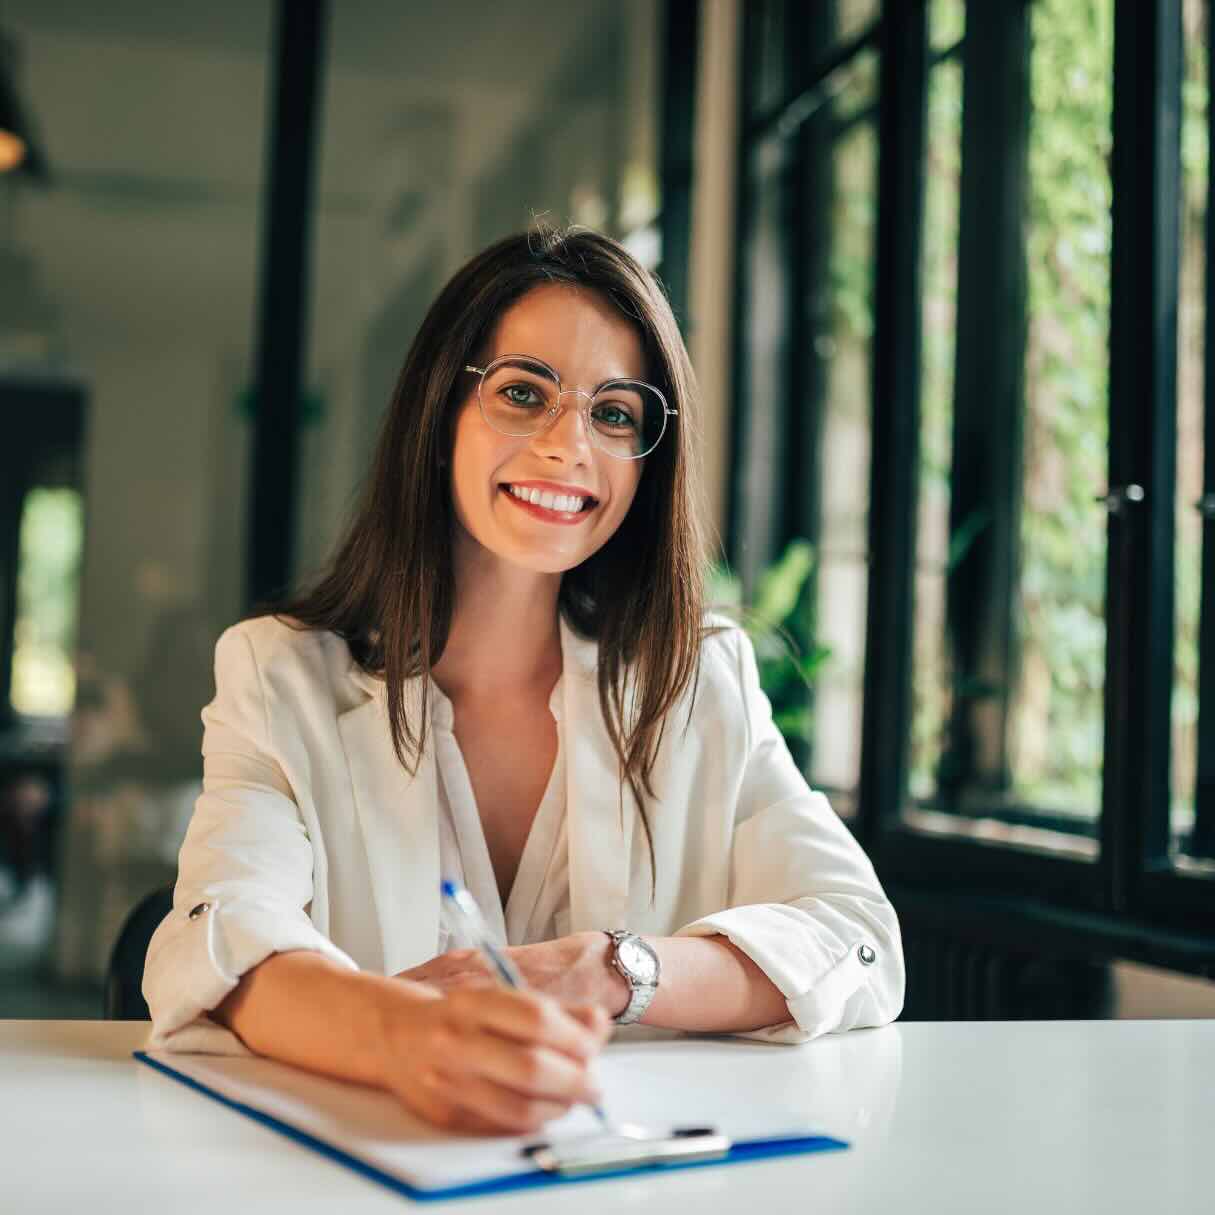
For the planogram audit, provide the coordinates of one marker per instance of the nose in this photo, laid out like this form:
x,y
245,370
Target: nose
x,y
566,437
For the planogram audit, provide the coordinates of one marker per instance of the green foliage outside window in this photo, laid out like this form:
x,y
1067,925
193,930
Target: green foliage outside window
x,y
780,622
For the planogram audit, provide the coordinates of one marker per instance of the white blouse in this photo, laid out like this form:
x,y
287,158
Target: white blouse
x,y
539,898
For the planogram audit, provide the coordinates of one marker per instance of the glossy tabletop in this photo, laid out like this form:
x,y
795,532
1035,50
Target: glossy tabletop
x,y
1071,1116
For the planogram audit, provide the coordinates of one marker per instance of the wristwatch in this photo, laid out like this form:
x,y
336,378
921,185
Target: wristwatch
x,y
638,963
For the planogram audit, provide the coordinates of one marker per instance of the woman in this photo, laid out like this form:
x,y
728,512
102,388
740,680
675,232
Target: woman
x,y
505,678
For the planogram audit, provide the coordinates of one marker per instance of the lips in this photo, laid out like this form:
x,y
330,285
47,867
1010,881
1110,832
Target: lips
x,y
550,514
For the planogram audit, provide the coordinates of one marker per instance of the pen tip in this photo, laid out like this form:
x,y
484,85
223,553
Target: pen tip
x,y
447,887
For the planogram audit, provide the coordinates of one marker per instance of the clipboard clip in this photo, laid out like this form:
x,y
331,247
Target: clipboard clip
x,y
607,1153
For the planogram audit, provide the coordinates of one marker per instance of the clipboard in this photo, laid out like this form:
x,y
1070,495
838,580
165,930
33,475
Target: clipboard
x,y
371,1134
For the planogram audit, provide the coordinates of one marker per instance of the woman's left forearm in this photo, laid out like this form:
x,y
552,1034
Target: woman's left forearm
x,y
706,985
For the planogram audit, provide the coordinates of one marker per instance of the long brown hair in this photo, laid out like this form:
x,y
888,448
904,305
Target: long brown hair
x,y
389,588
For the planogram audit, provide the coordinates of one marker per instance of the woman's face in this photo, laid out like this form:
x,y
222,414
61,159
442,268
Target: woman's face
x,y
586,340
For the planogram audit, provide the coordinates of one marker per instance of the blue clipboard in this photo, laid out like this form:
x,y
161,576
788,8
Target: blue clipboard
x,y
740,1152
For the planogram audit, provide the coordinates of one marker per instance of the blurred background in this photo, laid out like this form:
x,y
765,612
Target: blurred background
x,y
943,268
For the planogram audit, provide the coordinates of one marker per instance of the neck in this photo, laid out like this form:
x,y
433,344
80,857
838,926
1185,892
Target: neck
x,y
504,633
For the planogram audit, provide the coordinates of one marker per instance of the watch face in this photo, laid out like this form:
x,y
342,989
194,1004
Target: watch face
x,y
638,961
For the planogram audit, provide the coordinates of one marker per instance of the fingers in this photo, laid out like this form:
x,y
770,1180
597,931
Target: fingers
x,y
491,1060
532,1071
527,1017
477,1102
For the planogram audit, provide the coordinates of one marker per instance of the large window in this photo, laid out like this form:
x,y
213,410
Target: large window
x,y
974,373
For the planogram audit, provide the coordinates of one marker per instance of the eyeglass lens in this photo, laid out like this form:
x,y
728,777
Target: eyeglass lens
x,y
627,417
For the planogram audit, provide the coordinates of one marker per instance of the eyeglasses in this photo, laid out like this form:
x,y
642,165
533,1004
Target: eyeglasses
x,y
521,396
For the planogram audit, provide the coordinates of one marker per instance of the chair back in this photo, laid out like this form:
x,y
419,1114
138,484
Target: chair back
x,y
124,978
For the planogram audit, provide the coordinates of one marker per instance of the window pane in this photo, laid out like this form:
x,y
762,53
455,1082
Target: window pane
x,y
1057,710
765,341
1191,319
1009,643
48,575
768,62
853,17
838,379
946,23
943,148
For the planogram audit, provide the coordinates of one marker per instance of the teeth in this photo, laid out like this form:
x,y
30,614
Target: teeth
x,y
547,499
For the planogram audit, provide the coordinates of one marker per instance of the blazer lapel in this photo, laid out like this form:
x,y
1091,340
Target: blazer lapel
x,y
600,844
398,814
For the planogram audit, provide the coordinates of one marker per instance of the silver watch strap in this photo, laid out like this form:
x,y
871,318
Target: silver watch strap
x,y
641,993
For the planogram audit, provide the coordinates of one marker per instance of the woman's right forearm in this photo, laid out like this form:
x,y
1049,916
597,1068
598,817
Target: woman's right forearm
x,y
303,1009
480,1059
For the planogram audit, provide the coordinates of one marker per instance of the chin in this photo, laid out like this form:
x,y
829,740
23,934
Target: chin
x,y
546,563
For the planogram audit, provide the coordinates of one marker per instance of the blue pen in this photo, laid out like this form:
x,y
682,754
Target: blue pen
x,y
468,915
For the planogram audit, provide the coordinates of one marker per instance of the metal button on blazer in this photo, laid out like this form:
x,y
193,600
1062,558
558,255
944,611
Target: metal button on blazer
x,y
866,955
199,909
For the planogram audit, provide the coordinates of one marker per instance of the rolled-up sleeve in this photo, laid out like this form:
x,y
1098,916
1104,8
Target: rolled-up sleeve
x,y
244,872
805,903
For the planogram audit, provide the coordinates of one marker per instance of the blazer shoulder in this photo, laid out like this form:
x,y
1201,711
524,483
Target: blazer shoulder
x,y
274,638
284,649
721,637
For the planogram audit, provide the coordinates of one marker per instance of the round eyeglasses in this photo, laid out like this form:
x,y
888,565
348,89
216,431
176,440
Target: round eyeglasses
x,y
521,396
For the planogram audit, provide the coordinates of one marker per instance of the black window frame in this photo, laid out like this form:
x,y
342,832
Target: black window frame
x,y
1130,900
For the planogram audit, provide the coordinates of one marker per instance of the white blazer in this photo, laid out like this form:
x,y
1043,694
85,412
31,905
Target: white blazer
x,y
309,834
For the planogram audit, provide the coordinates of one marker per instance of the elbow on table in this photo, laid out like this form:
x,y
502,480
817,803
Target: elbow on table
x,y
872,972
885,975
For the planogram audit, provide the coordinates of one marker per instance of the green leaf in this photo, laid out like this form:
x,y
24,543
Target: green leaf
x,y
780,586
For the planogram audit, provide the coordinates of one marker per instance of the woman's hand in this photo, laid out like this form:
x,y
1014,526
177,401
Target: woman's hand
x,y
490,1060
573,968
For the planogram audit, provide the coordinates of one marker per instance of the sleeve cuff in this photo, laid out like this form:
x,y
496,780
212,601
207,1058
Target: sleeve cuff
x,y
198,955
815,980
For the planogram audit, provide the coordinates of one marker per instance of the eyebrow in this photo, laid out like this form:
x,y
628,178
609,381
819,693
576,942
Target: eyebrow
x,y
539,362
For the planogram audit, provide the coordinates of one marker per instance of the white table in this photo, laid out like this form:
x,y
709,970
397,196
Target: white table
x,y
1101,1116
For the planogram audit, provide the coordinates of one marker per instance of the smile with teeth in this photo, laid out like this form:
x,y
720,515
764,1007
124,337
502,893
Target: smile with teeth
x,y
564,503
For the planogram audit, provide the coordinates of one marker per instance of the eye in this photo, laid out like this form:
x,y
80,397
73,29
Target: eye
x,y
615,417
523,395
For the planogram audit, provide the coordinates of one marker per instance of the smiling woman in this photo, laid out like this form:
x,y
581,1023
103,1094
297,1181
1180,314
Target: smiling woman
x,y
507,668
